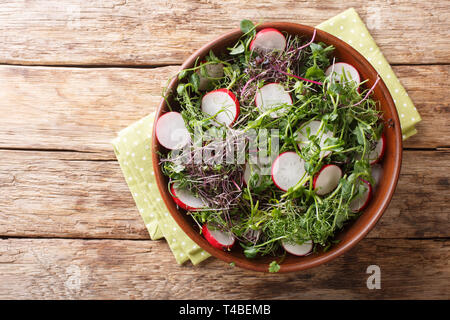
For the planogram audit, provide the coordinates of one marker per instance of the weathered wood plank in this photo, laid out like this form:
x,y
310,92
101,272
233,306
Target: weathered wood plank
x,y
74,108
111,269
66,194
46,194
83,109
427,87
166,31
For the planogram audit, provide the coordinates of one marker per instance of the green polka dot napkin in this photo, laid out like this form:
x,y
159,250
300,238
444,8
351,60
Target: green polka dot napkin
x,y
133,144
349,27
132,147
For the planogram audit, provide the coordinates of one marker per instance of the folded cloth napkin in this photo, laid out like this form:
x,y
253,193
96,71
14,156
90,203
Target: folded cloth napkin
x,y
349,27
133,144
132,148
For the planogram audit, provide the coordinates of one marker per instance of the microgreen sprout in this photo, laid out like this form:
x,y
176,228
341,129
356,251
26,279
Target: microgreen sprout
x,y
256,212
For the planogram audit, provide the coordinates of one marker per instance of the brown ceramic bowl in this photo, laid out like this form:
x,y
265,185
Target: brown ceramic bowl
x,y
353,232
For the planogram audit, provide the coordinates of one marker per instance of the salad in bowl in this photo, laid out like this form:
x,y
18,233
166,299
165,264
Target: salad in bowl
x,y
272,145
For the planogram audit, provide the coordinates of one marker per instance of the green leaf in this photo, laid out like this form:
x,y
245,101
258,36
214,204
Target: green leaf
x,y
331,141
237,50
212,56
359,136
178,168
180,89
195,80
251,252
315,47
203,71
309,167
274,266
182,74
314,72
246,26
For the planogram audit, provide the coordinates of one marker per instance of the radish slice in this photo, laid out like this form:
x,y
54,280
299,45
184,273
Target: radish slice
x,y
268,39
287,170
223,104
314,126
214,71
377,173
327,179
361,201
377,154
186,199
271,96
171,131
341,67
218,239
298,249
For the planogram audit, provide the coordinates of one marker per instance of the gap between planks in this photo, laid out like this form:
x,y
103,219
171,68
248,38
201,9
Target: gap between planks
x,y
154,66
112,158
43,237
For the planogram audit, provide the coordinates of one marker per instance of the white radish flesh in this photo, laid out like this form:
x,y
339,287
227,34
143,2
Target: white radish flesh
x,y
361,201
171,131
340,68
377,154
298,249
314,127
327,179
186,199
287,170
268,39
270,96
223,104
214,70
218,239
377,173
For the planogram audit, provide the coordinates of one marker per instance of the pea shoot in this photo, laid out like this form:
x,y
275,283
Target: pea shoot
x,y
326,118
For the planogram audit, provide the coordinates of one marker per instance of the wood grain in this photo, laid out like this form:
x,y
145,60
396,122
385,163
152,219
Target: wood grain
x,y
68,194
426,85
112,269
118,32
69,228
47,194
82,109
75,108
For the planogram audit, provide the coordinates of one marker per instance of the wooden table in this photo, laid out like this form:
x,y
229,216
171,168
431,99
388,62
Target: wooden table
x,y
73,73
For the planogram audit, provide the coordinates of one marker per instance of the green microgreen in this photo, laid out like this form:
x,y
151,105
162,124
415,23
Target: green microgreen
x,y
258,214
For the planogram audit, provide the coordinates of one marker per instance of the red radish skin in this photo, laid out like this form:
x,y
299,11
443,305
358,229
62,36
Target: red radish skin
x,y
171,131
218,239
359,204
221,100
327,179
268,39
185,199
271,96
287,170
299,250
314,128
339,68
377,154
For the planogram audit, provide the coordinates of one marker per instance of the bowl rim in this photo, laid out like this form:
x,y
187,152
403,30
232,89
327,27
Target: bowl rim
x,y
330,255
